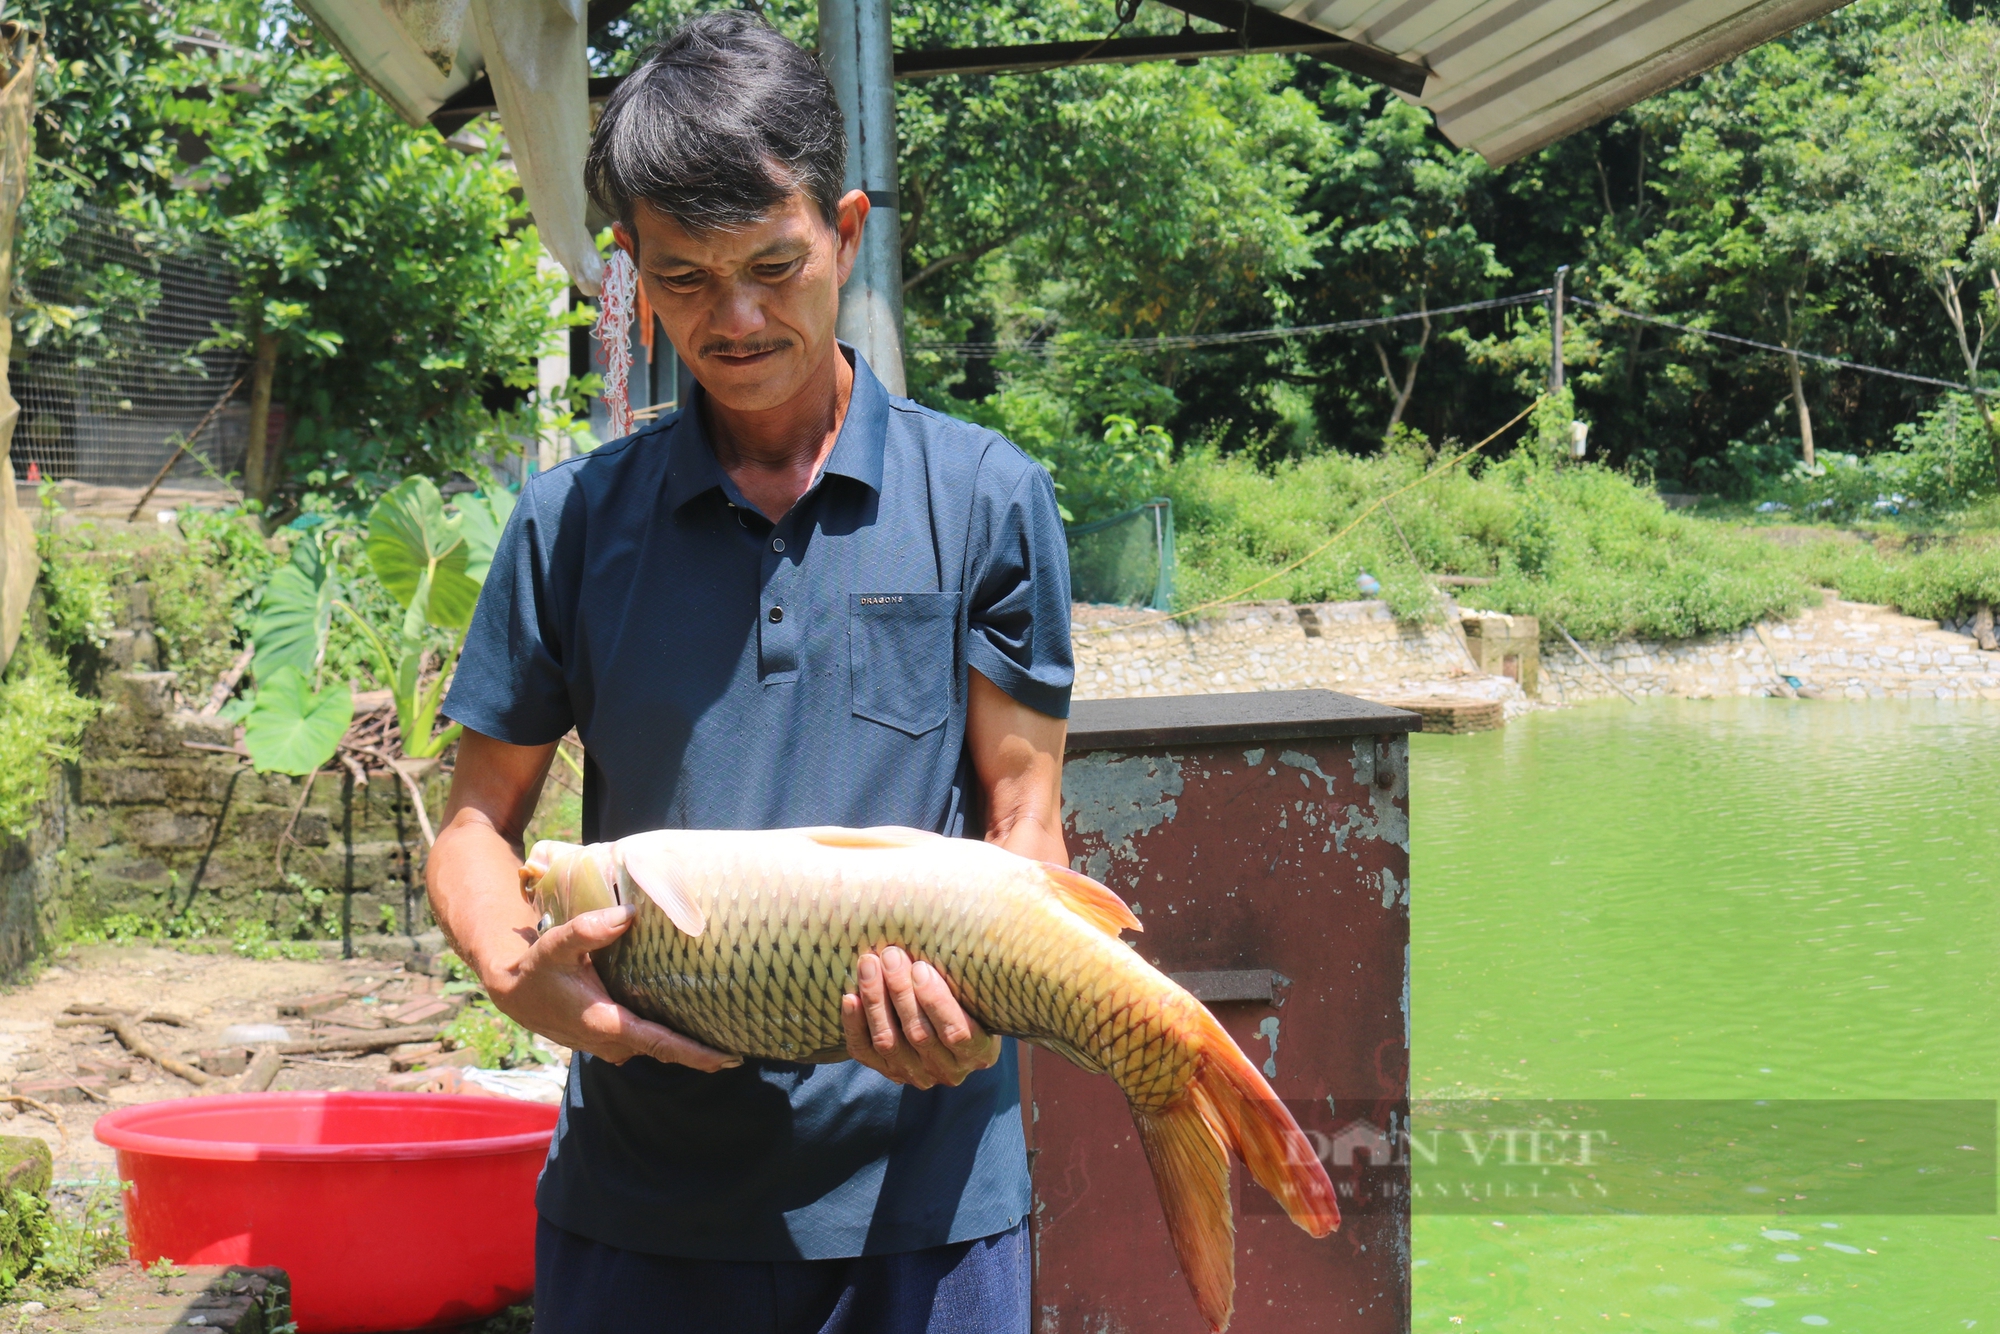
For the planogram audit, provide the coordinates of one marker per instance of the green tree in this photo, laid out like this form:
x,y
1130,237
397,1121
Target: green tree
x,y
391,292
1929,123
1400,236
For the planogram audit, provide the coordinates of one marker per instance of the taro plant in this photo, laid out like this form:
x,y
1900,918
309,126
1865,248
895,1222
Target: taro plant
x,y
432,559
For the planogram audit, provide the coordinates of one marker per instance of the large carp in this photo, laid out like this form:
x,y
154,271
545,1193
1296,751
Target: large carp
x,y
748,940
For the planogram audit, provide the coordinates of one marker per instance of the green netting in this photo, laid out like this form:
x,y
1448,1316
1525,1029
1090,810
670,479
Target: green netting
x,y
1126,560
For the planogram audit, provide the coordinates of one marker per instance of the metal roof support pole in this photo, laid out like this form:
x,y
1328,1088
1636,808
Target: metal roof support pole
x,y
855,47
1556,333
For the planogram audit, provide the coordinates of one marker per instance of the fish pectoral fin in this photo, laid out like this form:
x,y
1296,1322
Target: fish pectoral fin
x,y
1090,901
881,836
650,864
1070,1054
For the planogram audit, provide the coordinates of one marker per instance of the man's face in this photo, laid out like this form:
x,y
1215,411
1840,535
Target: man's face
x,y
751,310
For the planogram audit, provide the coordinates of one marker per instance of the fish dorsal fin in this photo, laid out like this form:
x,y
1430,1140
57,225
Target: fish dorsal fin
x,y
649,863
1090,901
881,836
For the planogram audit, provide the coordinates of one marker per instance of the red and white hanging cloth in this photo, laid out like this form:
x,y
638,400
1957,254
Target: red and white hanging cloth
x,y
615,303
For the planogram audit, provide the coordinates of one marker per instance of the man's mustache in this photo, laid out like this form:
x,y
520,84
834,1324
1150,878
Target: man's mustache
x,y
730,348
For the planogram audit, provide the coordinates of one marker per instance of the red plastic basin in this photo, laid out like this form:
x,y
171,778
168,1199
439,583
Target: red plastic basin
x,y
390,1211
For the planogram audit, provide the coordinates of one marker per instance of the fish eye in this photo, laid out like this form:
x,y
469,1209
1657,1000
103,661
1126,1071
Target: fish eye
x,y
546,925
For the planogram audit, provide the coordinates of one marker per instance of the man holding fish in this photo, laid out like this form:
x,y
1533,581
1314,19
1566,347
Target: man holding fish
x,y
797,602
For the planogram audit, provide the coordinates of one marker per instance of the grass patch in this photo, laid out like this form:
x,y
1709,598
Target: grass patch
x,y
1581,546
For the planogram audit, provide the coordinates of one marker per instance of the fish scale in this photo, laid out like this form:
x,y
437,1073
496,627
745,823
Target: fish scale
x,y
747,941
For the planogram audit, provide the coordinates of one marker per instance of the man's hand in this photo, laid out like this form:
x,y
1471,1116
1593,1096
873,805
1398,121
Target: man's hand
x,y
903,1022
545,983
554,990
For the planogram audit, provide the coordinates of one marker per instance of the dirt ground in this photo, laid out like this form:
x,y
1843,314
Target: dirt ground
x,y
210,992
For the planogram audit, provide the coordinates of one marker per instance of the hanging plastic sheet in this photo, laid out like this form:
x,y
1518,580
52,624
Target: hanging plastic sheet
x,y
1126,560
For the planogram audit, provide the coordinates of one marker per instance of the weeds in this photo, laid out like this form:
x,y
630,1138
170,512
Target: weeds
x,y
68,1237
497,1041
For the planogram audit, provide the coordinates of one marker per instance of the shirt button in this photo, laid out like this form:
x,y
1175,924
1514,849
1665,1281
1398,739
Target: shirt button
x,y
777,614
777,544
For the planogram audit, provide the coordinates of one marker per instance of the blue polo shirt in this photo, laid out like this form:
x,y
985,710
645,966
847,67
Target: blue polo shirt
x,y
725,672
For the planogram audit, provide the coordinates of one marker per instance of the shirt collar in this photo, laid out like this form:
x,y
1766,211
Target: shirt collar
x,y
692,469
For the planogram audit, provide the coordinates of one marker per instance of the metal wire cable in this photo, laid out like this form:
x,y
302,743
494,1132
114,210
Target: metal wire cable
x,y
1179,342
1620,313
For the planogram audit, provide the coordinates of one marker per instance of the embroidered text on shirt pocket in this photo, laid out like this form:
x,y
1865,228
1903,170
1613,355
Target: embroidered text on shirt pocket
x,y
901,659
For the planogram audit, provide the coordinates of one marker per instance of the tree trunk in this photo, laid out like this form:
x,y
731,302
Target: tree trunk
x,y
1409,384
1805,412
257,474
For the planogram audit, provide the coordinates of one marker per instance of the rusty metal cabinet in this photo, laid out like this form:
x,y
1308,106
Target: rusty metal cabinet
x,y
1263,840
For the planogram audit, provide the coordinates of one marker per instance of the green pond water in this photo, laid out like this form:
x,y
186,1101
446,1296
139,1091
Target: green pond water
x,y
1736,899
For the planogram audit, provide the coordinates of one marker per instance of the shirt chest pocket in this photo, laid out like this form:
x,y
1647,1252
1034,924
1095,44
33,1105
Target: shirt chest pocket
x,y
902,657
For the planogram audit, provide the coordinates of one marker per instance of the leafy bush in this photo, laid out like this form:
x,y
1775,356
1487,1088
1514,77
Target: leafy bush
x,y
1943,464
45,717
76,591
203,602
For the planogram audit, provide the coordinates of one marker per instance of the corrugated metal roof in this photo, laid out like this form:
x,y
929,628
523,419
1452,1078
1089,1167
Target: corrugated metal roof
x,y
1510,76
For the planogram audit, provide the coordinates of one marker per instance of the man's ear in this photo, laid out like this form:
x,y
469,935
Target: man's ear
x,y
850,216
622,236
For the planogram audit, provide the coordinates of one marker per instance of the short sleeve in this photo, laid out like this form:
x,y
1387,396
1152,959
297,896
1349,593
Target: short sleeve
x,y
509,684
1018,594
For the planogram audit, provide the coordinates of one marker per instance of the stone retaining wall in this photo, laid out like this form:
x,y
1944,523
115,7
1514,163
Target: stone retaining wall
x,y
149,825
1353,647
1840,650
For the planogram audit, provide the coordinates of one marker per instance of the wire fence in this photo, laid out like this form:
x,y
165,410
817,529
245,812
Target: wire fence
x,y
111,364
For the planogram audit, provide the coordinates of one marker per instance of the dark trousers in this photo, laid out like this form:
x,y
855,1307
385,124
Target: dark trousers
x,y
969,1287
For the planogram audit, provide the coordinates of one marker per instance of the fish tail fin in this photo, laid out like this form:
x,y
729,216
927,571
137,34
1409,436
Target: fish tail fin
x,y
1185,1146
1262,1131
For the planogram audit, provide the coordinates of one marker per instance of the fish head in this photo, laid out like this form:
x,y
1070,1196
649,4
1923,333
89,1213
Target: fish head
x,y
563,880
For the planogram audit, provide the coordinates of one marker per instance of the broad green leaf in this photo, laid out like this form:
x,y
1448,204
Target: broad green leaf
x,y
294,613
482,518
409,534
292,730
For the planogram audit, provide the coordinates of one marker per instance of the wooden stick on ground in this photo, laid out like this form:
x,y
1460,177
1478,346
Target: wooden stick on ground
x,y
264,1068
167,1017
225,684
127,1033
1585,655
181,449
362,1042
38,1105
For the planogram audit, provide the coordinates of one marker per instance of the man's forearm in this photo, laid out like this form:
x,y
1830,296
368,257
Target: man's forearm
x,y
475,894
474,875
1017,755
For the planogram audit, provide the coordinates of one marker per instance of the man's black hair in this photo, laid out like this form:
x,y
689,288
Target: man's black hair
x,y
719,124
